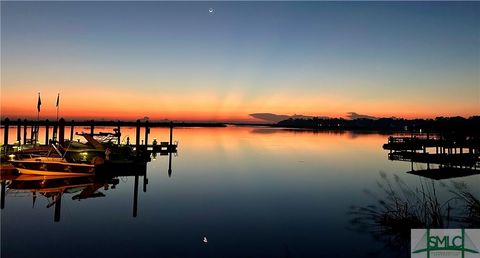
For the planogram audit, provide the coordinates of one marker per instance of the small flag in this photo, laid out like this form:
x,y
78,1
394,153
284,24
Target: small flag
x,y
39,102
58,99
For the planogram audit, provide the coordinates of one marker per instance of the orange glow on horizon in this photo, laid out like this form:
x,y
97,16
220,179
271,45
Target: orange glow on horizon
x,y
111,104
193,116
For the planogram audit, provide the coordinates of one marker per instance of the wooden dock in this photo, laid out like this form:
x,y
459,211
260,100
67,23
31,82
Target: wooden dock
x,y
452,157
442,145
25,128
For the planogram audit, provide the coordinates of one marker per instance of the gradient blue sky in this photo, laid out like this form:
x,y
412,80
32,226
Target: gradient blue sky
x,y
176,60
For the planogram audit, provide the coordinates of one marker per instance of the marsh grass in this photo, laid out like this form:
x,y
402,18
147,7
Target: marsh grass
x,y
398,207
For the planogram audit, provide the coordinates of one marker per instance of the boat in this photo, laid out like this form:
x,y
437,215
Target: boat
x,y
76,158
53,164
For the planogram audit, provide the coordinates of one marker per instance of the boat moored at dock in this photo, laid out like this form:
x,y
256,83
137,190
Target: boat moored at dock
x,y
76,158
52,166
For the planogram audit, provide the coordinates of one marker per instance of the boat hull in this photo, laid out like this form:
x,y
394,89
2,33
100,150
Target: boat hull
x,y
53,168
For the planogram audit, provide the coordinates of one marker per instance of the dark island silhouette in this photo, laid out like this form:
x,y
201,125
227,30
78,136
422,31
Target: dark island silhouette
x,y
447,125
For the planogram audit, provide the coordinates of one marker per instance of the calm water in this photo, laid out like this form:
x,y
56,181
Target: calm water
x,y
252,192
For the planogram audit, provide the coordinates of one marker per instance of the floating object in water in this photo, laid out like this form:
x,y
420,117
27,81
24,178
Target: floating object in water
x,y
205,240
211,10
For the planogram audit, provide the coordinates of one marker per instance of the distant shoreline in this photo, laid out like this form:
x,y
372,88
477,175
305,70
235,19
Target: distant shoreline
x,y
110,123
469,126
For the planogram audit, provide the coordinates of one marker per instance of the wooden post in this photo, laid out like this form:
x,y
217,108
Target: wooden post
x,y
145,182
6,123
46,131
32,133
119,137
92,128
58,207
135,197
169,164
137,136
72,130
147,131
55,132
36,129
2,204
171,132
19,131
61,130
25,131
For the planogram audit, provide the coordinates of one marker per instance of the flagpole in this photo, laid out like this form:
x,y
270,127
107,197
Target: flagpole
x,y
58,106
55,128
39,102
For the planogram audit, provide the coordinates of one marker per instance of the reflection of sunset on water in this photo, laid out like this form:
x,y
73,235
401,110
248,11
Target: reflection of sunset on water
x,y
248,128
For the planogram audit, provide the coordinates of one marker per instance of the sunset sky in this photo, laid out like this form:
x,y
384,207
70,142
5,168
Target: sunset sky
x,y
178,60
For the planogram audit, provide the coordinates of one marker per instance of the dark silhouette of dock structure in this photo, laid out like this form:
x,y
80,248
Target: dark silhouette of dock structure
x,y
103,176
453,156
32,128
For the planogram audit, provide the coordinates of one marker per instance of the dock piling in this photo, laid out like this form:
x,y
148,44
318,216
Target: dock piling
x,y
169,164
92,128
171,132
137,136
55,132
19,131
119,137
147,131
135,197
25,131
6,124
32,133
2,202
61,130
72,130
46,131
58,207
145,182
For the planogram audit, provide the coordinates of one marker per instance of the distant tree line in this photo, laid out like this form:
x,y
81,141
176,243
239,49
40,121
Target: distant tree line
x,y
444,125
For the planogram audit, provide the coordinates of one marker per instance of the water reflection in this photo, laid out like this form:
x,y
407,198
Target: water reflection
x,y
283,194
55,188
